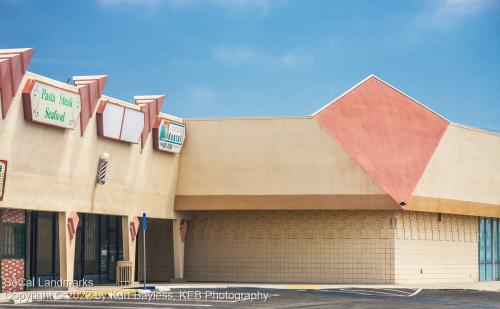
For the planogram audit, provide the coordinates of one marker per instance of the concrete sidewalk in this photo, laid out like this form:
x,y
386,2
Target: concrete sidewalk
x,y
102,290
493,286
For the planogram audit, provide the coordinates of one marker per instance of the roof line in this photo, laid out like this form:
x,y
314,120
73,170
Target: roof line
x,y
343,94
88,77
463,126
171,117
387,84
246,118
120,102
55,82
411,98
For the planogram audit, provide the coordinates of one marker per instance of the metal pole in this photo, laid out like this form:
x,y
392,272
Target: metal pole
x,y
144,255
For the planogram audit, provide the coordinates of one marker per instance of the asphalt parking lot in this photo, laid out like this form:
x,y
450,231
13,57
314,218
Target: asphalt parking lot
x,y
274,298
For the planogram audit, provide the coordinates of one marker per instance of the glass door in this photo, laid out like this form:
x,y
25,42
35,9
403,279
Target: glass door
x,y
43,247
91,247
98,247
488,249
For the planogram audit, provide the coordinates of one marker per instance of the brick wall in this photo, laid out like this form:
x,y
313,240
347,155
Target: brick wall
x,y
346,247
12,269
429,250
291,246
159,246
12,216
12,272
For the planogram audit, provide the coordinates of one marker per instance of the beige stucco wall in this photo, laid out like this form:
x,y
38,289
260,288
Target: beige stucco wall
x,y
464,167
55,169
429,251
266,156
291,246
270,163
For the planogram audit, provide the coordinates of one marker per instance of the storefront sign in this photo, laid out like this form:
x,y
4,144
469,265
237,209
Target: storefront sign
x,y
51,105
3,177
168,135
119,122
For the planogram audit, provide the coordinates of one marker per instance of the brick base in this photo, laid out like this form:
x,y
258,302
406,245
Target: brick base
x,y
334,247
13,216
12,275
12,269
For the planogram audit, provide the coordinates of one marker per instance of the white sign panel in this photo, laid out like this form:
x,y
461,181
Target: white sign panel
x,y
171,136
51,105
119,122
112,119
133,123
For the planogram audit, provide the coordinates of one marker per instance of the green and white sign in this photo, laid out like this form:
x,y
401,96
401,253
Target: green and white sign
x,y
51,105
171,136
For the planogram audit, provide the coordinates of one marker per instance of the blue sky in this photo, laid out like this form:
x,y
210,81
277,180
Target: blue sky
x,y
269,58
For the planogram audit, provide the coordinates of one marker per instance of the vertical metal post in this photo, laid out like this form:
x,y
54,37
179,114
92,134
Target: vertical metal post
x,y
144,255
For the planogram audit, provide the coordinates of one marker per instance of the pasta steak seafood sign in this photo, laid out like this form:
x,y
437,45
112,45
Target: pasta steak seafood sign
x,y
50,105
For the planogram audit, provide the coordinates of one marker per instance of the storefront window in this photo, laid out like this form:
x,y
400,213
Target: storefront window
x,y
12,241
495,249
488,249
104,244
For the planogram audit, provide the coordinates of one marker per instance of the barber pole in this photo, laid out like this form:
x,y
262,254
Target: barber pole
x,y
103,166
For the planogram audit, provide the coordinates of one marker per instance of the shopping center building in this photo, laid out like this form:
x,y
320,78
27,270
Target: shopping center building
x,y
373,188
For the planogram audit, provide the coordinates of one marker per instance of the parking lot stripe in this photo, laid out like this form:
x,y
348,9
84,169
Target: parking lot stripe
x,y
304,287
403,292
416,292
150,303
86,303
364,292
80,306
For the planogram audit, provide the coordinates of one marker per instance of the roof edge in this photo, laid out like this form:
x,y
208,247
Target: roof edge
x,y
463,126
248,118
387,84
52,82
342,95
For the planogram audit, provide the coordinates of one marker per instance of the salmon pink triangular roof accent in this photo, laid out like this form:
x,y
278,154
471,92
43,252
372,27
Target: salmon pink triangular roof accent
x,y
91,89
13,65
151,106
25,53
391,135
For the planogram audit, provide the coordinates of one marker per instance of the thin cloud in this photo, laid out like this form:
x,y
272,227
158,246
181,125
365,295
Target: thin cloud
x,y
202,93
71,62
237,7
230,7
200,99
115,3
242,55
443,14
457,8
296,58
232,54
